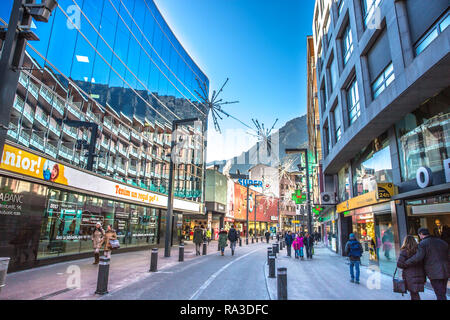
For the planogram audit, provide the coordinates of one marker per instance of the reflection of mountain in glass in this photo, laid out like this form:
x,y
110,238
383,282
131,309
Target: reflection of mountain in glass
x,y
126,101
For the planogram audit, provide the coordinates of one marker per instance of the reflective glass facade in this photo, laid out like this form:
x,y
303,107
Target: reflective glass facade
x,y
122,53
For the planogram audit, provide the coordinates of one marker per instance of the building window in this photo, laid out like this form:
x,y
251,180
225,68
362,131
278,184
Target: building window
x,y
333,74
369,7
383,81
340,7
353,101
344,184
337,124
326,136
435,31
347,44
423,136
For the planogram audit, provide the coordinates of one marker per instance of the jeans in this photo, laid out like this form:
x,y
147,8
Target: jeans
x,y
356,265
232,245
440,288
301,252
297,253
309,252
197,248
414,295
288,247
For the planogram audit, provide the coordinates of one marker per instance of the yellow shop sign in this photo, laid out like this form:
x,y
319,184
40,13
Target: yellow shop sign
x,y
384,193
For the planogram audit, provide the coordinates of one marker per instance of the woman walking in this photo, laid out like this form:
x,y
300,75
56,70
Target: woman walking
x,y
110,234
298,247
414,275
97,237
223,238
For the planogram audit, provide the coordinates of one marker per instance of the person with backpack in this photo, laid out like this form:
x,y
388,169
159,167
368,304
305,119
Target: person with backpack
x,y
233,237
353,250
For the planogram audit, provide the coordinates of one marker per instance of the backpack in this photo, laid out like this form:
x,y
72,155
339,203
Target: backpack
x,y
354,249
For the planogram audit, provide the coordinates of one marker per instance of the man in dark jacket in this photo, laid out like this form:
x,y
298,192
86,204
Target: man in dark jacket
x,y
267,235
233,237
308,242
435,256
198,239
288,240
354,250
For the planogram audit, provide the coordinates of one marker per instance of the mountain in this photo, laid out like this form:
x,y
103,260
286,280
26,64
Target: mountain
x,y
294,134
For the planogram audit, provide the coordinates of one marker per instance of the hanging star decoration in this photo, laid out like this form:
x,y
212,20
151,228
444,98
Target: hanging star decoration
x,y
214,105
264,135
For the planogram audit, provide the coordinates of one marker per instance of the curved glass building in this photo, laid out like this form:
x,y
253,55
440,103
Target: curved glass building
x,y
117,64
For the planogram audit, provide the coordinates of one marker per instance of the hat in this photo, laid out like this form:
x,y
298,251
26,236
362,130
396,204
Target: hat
x,y
352,236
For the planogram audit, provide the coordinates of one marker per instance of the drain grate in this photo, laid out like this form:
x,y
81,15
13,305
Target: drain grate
x,y
54,294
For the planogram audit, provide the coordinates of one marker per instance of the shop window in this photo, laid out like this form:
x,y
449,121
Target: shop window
x,y
423,136
372,165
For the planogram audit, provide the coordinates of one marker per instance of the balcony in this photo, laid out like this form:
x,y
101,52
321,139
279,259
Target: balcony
x,y
46,94
65,152
70,131
102,163
120,168
76,159
134,152
51,150
19,104
33,89
105,144
157,175
110,167
23,79
158,141
115,130
124,132
12,132
123,152
107,123
42,118
93,116
142,173
73,110
24,138
58,105
132,170
136,136
28,114
55,128
112,148
37,141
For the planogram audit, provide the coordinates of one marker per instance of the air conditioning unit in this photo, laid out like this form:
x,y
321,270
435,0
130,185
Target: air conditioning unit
x,y
327,198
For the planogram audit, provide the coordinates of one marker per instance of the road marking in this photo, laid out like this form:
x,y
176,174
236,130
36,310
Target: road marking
x,y
208,282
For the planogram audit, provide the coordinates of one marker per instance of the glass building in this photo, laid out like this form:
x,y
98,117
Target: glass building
x,y
115,63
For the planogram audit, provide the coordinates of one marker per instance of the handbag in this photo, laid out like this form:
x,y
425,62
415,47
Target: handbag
x,y
399,285
114,244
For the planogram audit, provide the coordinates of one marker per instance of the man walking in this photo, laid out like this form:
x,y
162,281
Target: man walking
x,y
435,256
197,239
267,234
353,250
308,241
288,240
233,237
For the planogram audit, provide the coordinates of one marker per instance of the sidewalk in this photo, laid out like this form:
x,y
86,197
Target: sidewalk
x,y
327,277
57,281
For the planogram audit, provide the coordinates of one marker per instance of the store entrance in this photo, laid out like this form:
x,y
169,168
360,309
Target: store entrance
x,y
364,229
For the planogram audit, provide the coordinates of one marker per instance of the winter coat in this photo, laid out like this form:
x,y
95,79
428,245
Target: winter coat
x,y
414,275
233,235
308,242
288,239
435,255
267,235
198,236
109,235
347,249
298,243
97,237
223,239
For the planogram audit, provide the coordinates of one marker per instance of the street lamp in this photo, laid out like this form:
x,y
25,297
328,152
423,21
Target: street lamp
x,y
308,205
169,212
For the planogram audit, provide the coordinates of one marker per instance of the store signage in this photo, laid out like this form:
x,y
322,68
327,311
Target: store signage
x,y
26,163
248,182
424,175
273,218
384,193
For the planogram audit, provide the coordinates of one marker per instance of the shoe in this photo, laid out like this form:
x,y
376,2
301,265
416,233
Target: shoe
x,y
232,252
352,280
357,281
222,253
97,258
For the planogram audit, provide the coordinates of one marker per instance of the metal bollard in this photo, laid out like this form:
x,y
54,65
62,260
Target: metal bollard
x,y
253,240
154,260
277,247
282,283
246,241
181,253
274,249
256,239
240,242
103,274
271,266
218,246
204,248
269,252
4,262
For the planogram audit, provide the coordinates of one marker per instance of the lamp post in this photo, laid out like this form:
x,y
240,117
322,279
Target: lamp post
x,y
13,41
169,212
308,205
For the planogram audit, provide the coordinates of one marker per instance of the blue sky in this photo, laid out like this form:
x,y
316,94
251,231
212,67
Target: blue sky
x,y
260,45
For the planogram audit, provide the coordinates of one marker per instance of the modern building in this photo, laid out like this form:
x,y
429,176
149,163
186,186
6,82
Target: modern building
x,y
118,65
216,200
383,78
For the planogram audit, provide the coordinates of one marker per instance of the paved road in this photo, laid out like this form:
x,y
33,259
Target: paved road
x,y
212,277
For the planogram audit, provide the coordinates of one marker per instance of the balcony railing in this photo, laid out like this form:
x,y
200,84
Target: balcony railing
x,y
105,144
102,163
110,167
24,138
58,106
46,94
135,135
134,152
33,89
132,170
51,150
123,152
41,118
120,168
107,123
19,104
74,110
71,131
23,79
55,128
28,114
65,152
93,116
124,131
37,141
115,129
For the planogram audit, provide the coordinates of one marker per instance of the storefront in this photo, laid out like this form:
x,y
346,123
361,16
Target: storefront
x,y
329,230
48,211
